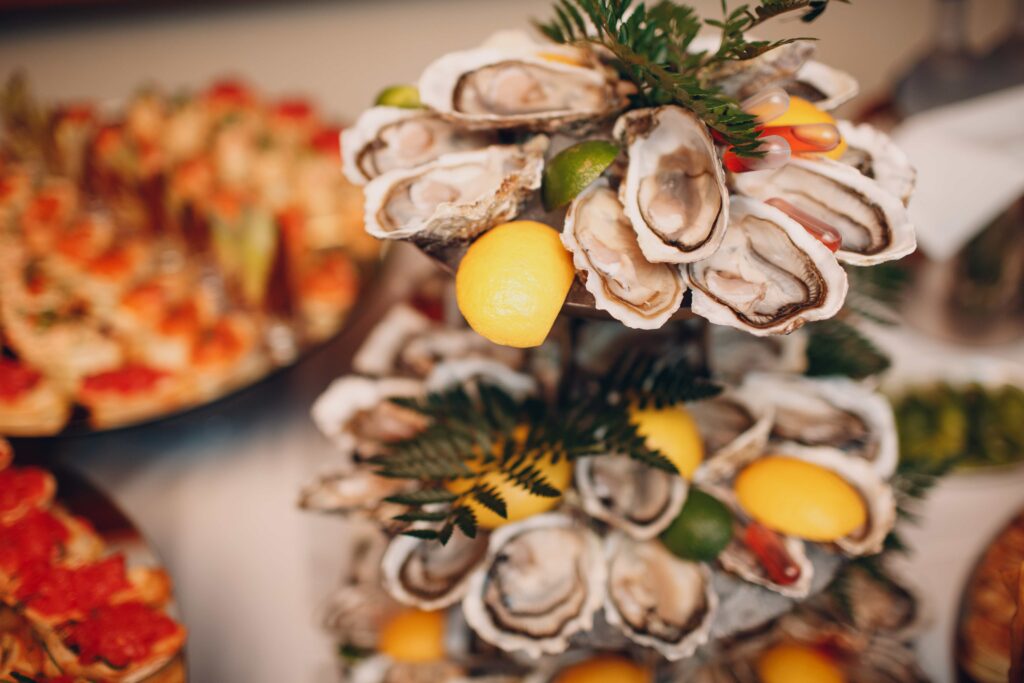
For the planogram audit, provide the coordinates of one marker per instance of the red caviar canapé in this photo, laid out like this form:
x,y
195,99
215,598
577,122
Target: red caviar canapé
x,y
129,379
16,379
23,488
119,634
36,537
71,592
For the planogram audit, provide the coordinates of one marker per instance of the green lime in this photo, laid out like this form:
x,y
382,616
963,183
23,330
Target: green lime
x,y
572,169
404,96
701,530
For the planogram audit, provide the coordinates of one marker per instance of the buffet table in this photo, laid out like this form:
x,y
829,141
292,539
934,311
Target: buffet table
x,y
215,490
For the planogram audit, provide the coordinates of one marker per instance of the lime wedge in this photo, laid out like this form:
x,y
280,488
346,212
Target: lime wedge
x,y
404,96
572,169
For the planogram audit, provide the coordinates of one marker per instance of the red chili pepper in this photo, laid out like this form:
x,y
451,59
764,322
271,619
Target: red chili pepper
x,y
767,546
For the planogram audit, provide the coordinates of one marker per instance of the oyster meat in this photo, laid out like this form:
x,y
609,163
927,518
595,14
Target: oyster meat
x,y
734,427
674,191
604,248
542,87
629,495
542,582
355,413
770,276
874,154
386,138
430,575
657,599
455,197
873,223
835,412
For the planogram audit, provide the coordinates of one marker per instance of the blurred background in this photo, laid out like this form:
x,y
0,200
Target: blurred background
x,y
216,493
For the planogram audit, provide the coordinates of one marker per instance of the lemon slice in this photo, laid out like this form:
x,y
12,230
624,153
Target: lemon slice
x,y
796,663
672,431
413,636
404,96
512,283
572,169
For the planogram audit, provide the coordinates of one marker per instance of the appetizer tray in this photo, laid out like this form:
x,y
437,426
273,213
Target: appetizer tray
x,y
162,255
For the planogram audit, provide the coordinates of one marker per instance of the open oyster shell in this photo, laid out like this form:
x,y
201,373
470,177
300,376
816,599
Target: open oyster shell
x,y
457,196
825,86
770,276
385,138
836,412
605,251
542,87
734,354
873,222
657,599
467,371
674,191
542,582
430,575
734,427
874,154
629,495
356,415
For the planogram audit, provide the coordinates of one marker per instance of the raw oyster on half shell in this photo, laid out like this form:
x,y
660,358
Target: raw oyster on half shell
x,y
873,223
674,191
836,412
604,247
386,138
657,599
542,582
734,427
356,413
430,575
629,495
874,154
770,276
543,87
455,197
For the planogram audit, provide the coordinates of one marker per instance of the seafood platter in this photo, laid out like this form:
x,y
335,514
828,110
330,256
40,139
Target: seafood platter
x,y
157,255
633,464
81,596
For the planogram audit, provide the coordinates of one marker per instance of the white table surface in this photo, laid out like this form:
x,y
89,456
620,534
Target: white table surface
x,y
216,493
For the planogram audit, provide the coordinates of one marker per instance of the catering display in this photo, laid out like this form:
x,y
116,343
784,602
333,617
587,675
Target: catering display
x,y
663,494
628,165
158,255
78,602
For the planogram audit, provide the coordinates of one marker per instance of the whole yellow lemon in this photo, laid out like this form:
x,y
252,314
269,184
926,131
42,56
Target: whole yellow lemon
x,y
519,503
795,663
604,669
413,636
800,499
672,431
803,111
513,281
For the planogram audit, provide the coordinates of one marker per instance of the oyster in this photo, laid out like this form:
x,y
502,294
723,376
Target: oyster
x,y
674,191
383,669
770,276
455,197
874,154
822,84
353,490
740,79
542,582
877,495
629,495
356,415
543,87
604,248
734,427
386,138
657,599
429,575
873,223
467,371
836,412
